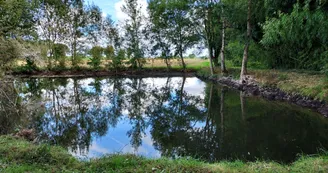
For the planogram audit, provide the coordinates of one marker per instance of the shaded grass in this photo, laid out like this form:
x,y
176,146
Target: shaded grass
x,y
17,155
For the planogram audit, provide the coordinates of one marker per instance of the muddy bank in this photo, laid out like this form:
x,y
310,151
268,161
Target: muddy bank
x,y
104,73
250,87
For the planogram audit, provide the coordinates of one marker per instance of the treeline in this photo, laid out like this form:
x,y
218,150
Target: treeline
x,y
268,33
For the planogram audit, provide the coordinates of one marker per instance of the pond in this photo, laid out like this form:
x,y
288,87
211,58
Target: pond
x,y
155,117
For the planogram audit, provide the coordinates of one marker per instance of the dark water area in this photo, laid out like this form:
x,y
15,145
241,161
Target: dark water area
x,y
156,117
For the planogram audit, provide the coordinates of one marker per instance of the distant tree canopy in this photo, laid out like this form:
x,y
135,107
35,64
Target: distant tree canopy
x,y
268,34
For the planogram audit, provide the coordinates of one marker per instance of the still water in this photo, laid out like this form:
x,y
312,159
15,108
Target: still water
x,y
154,117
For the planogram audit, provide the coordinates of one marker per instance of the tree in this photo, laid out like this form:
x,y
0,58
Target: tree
x,y
17,22
110,32
207,17
182,34
52,24
223,37
18,18
158,33
298,39
93,27
134,33
243,71
75,24
96,56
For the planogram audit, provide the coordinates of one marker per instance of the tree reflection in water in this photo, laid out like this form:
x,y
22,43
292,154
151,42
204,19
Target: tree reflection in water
x,y
217,124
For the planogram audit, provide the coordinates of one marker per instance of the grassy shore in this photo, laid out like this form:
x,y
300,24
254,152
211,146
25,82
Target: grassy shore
x,y
18,155
307,83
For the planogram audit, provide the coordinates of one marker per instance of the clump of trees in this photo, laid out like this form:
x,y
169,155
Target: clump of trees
x,y
267,34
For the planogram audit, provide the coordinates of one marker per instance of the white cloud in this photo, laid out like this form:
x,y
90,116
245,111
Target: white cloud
x,y
103,14
121,16
96,148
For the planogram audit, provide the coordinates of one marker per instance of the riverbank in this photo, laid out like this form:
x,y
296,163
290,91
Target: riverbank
x,y
19,155
306,89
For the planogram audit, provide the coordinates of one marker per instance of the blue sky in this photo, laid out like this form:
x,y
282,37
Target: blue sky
x,y
107,7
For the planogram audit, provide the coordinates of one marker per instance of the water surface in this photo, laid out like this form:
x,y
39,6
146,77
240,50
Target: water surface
x,y
153,117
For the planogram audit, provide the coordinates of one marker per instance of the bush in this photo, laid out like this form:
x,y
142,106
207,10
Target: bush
x,y
60,54
96,56
30,65
299,39
117,62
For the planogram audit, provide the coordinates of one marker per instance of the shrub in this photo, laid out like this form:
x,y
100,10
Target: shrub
x,y
96,56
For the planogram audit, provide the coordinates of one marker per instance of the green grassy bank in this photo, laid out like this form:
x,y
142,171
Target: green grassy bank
x,y
18,155
307,83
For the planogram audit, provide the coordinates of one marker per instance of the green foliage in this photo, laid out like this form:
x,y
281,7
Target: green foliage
x,y
257,56
299,39
109,53
59,53
117,62
30,65
17,18
96,56
192,56
8,53
182,35
134,33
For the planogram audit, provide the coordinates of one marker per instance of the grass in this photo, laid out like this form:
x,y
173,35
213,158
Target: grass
x,y
18,155
306,83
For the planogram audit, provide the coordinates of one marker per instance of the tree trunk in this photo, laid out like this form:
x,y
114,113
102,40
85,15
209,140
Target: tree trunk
x,y
210,54
248,39
182,60
223,67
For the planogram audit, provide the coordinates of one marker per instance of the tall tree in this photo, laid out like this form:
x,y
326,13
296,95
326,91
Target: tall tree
x,y
243,71
134,32
223,38
182,32
76,21
18,18
53,16
110,32
207,19
159,30
16,23
93,26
